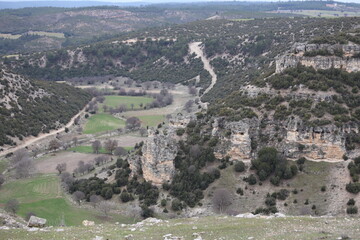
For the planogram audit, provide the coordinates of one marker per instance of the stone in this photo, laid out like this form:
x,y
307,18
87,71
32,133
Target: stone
x,y
88,223
129,237
98,238
36,222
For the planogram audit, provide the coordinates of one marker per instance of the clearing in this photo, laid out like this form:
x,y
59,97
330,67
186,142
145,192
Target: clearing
x,y
48,163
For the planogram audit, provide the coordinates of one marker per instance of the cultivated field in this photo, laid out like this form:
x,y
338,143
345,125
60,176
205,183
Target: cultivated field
x,y
116,101
43,196
102,122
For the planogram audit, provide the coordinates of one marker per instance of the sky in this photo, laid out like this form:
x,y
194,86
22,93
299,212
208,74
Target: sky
x,y
150,1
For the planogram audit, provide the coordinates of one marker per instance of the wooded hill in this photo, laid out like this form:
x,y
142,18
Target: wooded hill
x,y
30,107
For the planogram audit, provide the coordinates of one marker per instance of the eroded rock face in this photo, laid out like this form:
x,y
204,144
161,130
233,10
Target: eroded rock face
x,y
238,144
319,143
297,140
296,56
318,62
157,161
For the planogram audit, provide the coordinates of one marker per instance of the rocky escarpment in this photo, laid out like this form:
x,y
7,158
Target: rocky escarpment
x,y
336,56
157,160
292,137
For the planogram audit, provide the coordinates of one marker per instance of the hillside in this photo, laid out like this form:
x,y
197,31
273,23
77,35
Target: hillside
x,y
30,107
210,117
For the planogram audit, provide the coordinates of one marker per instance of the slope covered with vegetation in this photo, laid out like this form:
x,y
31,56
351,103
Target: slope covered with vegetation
x,y
30,107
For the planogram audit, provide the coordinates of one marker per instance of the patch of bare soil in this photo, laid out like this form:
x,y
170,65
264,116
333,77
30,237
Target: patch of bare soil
x,y
49,163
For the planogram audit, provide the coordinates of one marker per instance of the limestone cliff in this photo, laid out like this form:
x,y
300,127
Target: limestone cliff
x,y
297,55
157,160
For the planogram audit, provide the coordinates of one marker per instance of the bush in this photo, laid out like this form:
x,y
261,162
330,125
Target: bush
x,y
176,205
301,161
240,191
353,187
146,212
163,202
252,179
239,166
126,197
12,206
351,202
323,188
352,210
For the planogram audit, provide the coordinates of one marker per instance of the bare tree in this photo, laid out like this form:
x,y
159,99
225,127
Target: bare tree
x,y
77,120
100,160
36,151
24,168
110,145
78,196
18,156
94,200
75,141
96,146
54,145
66,179
192,90
106,206
188,105
143,131
120,151
133,123
12,206
61,167
221,200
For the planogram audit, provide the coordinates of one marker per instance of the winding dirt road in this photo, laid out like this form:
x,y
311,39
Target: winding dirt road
x,y
31,140
195,48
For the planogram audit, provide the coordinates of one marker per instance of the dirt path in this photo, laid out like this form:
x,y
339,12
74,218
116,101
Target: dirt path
x,y
31,140
195,48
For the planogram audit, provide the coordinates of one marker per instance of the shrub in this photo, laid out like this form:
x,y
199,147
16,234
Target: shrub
x,y
351,202
252,179
176,205
239,166
351,210
163,202
126,197
323,188
240,191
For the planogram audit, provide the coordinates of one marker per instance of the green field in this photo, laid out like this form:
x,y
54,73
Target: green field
x,y
43,196
102,122
116,101
151,120
88,149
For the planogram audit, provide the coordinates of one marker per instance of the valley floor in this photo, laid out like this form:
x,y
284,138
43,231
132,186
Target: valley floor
x,y
209,228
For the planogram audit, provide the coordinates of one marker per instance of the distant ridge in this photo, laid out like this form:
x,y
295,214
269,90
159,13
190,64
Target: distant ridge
x,y
66,4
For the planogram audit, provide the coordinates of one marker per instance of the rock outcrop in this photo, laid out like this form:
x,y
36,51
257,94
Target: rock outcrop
x,y
157,161
36,222
297,55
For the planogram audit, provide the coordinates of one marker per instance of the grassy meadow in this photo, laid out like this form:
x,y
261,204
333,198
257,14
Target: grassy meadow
x,y
102,122
88,149
43,196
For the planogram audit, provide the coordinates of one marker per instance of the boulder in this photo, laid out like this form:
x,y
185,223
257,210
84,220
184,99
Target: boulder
x,y
36,222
